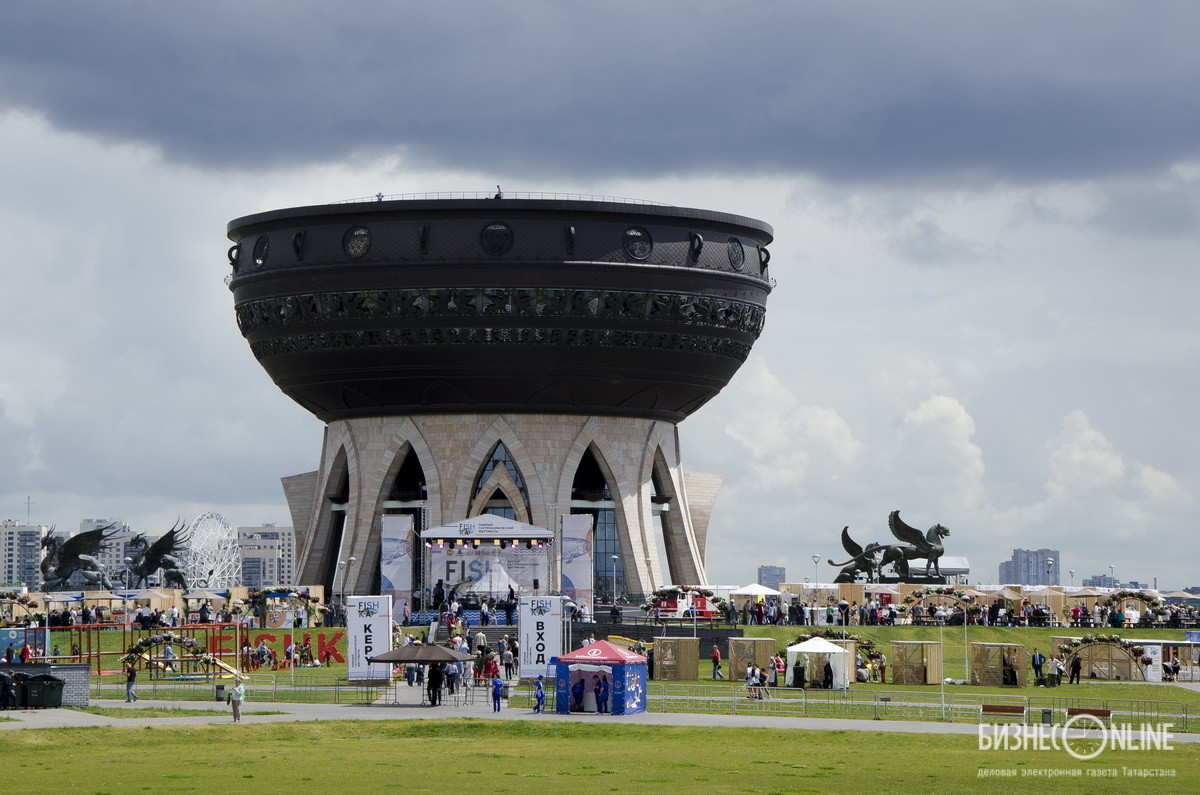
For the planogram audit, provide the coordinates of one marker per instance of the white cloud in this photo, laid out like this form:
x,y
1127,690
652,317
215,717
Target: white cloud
x,y
1081,459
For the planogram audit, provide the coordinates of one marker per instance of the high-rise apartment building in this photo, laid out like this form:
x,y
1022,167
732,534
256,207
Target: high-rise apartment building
x,y
268,556
771,576
1031,567
21,554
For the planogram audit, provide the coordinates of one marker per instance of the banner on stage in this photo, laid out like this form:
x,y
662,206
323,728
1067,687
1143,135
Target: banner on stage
x,y
577,565
489,570
397,543
540,630
368,633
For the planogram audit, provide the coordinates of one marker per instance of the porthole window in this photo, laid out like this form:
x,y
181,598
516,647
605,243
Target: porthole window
x,y
357,241
737,254
496,238
261,246
638,244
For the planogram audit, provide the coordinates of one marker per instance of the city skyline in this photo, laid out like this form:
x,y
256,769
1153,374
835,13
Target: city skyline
x,y
984,247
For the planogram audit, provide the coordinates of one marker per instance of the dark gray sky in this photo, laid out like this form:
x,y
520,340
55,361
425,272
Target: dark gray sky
x,y
986,221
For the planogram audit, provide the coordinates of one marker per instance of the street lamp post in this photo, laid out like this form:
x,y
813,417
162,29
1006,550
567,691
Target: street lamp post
x,y
1049,570
816,559
615,558
1072,573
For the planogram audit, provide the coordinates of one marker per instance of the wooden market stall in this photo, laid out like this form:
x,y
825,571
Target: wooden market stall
x,y
998,665
916,662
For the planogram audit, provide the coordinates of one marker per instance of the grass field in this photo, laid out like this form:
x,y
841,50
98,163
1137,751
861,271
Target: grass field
x,y
534,757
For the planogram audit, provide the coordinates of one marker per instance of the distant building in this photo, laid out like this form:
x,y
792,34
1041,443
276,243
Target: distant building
x,y
1101,581
268,556
1029,567
21,554
771,576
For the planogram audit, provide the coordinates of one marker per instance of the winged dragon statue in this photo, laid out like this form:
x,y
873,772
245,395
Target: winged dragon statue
x,y
913,545
162,554
62,558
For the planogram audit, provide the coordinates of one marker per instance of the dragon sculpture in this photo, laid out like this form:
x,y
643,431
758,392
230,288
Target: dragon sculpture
x,y
162,554
913,544
62,558
861,560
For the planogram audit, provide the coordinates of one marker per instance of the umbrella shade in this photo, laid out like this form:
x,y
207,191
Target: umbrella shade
x,y
420,653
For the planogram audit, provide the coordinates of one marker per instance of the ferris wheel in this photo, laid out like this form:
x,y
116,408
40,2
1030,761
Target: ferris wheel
x,y
213,557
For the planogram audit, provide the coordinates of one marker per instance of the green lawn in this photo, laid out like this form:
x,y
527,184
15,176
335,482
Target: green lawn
x,y
551,756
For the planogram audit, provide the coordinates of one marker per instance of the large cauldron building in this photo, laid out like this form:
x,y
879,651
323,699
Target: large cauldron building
x,y
522,356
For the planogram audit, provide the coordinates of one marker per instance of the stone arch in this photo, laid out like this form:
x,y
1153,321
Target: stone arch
x,y
498,431
592,437
329,526
500,481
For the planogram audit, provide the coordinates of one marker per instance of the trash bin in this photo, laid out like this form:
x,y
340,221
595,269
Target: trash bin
x,y
49,690
21,690
219,693
504,691
35,694
1047,717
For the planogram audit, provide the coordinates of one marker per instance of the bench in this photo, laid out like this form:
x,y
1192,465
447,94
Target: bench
x,y
1102,714
1001,709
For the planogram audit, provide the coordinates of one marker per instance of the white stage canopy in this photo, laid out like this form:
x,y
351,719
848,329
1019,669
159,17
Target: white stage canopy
x,y
487,526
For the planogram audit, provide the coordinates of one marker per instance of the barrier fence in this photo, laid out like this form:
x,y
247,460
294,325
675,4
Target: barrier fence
x,y
909,705
688,698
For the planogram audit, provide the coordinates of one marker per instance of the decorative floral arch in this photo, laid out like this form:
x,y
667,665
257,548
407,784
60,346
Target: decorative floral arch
x,y
134,652
1133,649
1118,600
22,600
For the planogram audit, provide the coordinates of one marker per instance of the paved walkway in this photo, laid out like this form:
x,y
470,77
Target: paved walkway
x,y
58,718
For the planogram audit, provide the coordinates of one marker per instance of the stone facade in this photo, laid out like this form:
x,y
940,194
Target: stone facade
x,y
633,454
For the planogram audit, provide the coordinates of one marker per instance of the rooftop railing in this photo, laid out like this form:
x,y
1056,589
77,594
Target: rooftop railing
x,y
579,197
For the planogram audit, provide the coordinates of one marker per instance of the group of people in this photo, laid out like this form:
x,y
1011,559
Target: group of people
x,y
22,655
1037,661
601,690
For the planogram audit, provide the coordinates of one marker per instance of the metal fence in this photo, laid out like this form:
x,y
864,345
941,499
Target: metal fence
x,y
300,690
907,705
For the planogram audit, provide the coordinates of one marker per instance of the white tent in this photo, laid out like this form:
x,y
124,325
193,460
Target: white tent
x,y
817,652
755,590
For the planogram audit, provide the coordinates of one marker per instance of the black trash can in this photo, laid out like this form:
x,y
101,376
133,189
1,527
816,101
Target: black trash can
x,y
20,686
50,690
219,692
35,694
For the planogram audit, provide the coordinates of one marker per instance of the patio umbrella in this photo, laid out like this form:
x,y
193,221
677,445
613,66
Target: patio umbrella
x,y
420,653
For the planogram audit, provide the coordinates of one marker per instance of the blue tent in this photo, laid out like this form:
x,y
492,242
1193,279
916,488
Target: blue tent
x,y
578,672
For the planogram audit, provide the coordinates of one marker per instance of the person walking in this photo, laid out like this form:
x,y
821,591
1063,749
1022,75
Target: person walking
x,y
1076,668
506,657
130,681
539,695
236,696
8,696
716,662
497,692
